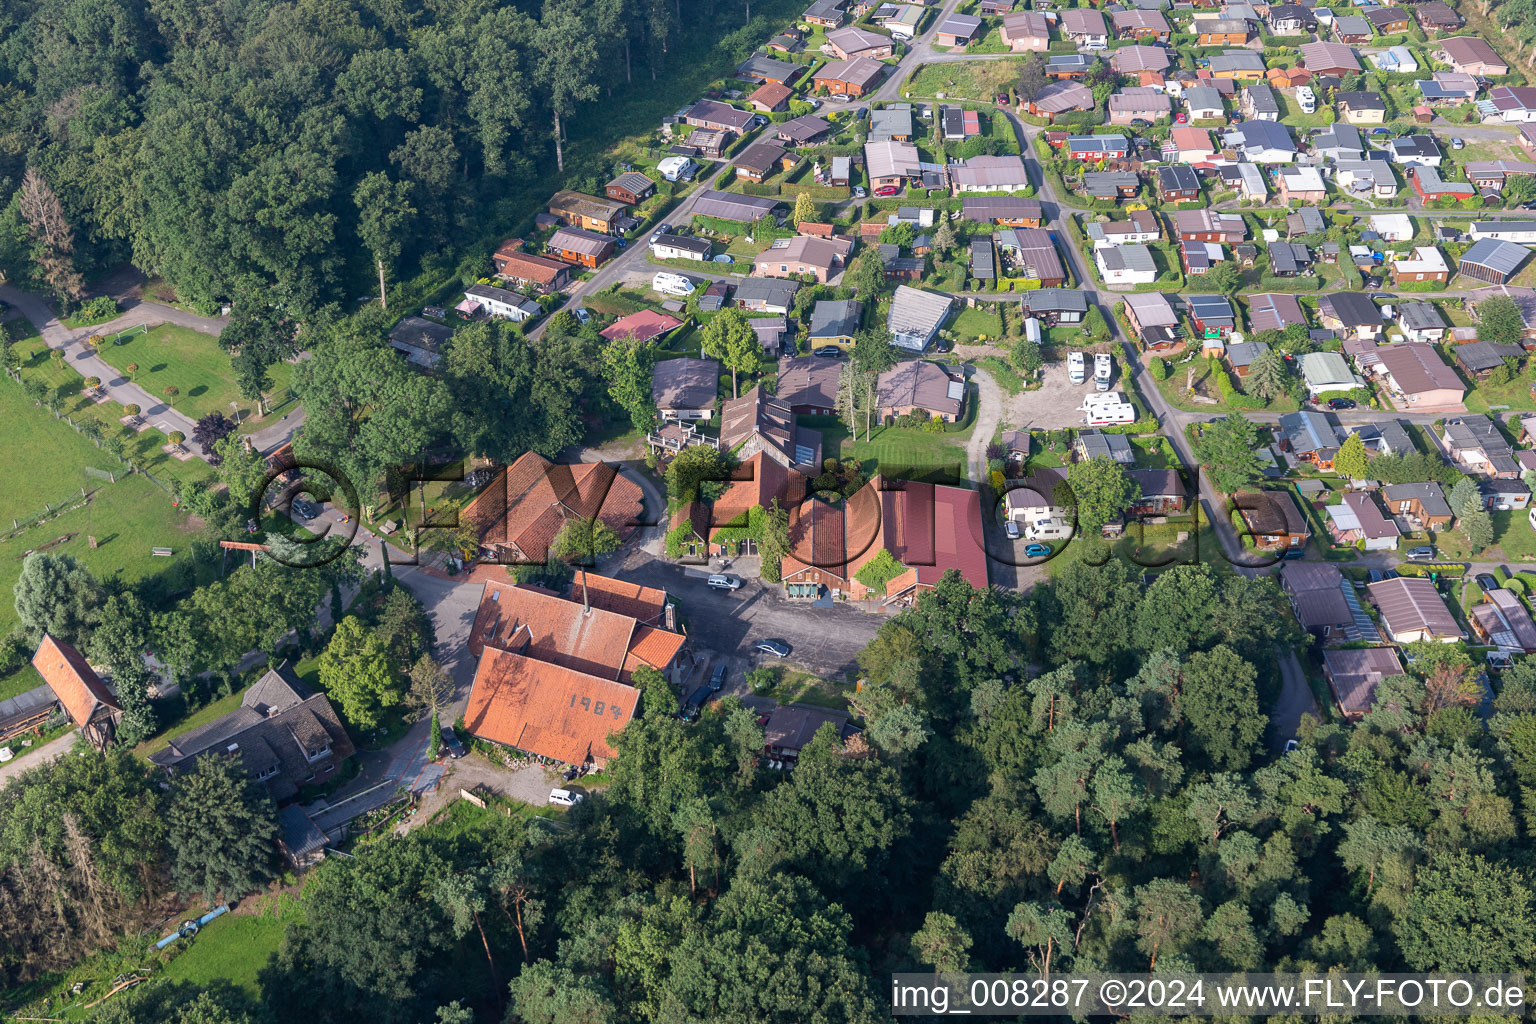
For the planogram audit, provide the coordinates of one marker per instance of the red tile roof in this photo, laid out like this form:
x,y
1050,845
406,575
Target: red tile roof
x,y
620,597
546,709
642,326
541,625
74,682
755,483
649,646
928,528
531,500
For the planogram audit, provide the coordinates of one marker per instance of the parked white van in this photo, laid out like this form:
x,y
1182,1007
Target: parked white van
x,y
1103,371
672,284
1077,367
1306,99
565,798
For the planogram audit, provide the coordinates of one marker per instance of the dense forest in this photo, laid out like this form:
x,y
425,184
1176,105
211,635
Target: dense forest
x,y
273,150
1075,779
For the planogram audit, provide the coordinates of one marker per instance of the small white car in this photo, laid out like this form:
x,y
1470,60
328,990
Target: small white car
x,y
565,798
1011,530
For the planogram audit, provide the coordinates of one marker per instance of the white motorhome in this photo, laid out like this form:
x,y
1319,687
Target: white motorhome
x,y
672,284
1103,371
1306,99
1108,414
1077,367
1095,399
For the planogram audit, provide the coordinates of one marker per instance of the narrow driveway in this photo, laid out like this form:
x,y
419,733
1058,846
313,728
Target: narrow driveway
x,y
1294,701
50,751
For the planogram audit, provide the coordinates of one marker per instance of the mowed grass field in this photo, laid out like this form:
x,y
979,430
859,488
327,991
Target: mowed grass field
x,y
170,356
42,461
144,448
234,948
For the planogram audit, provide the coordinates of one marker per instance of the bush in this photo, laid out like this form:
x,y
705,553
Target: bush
x,y
97,310
1159,368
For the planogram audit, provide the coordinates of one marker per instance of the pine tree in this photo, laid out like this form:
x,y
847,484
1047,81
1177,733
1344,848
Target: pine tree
x,y
221,830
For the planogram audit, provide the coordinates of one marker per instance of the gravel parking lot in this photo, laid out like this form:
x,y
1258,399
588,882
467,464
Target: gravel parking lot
x,y
1054,406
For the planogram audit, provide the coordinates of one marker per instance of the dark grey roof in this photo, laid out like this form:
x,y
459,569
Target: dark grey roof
x,y
1420,316
1431,496
1243,353
1056,300
836,318
1475,432
1478,356
282,733
1097,444
731,206
1307,431
1499,256
1351,309
773,291
301,836
685,383
1128,257
1209,307
1177,177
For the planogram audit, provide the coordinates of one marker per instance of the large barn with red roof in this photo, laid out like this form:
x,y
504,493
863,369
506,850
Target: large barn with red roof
x,y
555,672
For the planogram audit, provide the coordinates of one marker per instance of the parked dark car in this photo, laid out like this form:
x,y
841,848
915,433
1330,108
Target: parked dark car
x,y
305,509
696,702
451,742
777,648
717,679
1486,581
1341,403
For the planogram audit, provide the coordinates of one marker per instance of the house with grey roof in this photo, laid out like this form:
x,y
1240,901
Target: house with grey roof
x,y
835,322
685,388
915,317
285,736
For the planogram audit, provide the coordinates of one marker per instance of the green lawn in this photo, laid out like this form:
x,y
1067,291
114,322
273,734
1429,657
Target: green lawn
x,y
19,681
127,518
1516,395
169,356
910,454
793,686
974,80
978,323
235,947
144,448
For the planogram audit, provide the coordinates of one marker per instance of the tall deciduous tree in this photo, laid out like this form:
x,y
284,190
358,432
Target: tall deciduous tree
x,y
56,595
221,830
1103,492
1228,447
567,60
383,212
356,672
627,368
1499,321
729,338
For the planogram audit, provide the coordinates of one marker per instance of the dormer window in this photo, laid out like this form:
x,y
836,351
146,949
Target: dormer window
x,y
317,754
